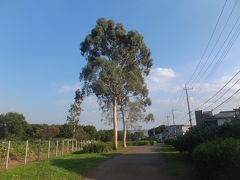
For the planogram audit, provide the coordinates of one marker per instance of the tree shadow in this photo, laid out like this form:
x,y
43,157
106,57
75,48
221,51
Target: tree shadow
x,y
81,164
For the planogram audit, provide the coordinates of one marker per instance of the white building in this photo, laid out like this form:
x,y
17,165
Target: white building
x,y
172,131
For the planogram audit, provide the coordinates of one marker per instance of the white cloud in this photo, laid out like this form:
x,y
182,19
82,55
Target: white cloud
x,y
161,79
69,88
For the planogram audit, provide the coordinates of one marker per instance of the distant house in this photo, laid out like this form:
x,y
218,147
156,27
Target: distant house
x,y
210,119
172,131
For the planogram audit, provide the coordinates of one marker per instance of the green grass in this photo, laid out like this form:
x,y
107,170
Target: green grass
x,y
177,163
70,166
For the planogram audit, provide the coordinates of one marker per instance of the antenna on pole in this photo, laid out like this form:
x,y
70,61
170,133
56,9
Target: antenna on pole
x,y
189,111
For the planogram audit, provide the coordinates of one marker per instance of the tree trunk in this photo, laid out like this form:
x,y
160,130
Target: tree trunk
x,y
124,127
115,123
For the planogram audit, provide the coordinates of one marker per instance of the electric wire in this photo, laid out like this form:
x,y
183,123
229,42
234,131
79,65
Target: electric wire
x,y
209,41
216,43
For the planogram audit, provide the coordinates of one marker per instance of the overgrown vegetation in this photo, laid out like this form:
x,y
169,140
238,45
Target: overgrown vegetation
x,y
219,158
97,147
215,150
145,142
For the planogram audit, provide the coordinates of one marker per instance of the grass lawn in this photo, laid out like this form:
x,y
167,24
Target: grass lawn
x,y
70,166
177,163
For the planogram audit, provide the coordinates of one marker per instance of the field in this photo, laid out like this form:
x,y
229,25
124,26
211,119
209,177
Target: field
x,y
69,166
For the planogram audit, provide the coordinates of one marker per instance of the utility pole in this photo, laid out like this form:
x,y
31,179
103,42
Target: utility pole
x,y
168,125
189,111
175,133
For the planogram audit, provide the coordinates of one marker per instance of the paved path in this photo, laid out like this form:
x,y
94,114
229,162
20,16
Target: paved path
x,y
141,163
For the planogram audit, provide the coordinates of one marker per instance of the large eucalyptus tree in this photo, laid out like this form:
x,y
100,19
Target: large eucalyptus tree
x,y
112,54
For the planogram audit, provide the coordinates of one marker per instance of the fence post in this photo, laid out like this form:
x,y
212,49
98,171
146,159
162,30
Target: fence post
x,y
26,153
8,151
62,146
67,145
49,148
76,147
57,148
72,145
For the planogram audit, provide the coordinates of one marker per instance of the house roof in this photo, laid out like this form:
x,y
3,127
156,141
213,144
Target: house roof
x,y
225,114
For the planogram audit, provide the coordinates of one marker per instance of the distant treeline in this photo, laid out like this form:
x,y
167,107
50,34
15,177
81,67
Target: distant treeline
x,y
13,126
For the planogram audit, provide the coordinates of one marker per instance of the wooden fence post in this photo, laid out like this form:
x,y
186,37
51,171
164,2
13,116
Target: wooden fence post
x,y
57,148
62,146
76,147
8,152
72,145
67,145
49,148
26,153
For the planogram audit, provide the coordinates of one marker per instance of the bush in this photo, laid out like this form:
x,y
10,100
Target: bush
x,y
194,137
219,158
169,141
97,147
152,142
145,142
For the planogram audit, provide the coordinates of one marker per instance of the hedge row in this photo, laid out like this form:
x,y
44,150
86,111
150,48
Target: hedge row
x,y
145,143
215,150
196,136
97,147
219,158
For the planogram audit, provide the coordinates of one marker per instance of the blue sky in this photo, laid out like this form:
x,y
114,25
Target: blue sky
x,y
40,59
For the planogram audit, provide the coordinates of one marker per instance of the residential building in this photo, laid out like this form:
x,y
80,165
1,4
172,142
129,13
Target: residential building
x,y
210,119
172,131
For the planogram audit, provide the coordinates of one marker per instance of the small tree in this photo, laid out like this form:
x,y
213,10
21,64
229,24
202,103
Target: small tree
x,y
74,112
49,132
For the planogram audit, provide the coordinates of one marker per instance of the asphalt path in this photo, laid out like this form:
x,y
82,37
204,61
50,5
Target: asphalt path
x,y
140,163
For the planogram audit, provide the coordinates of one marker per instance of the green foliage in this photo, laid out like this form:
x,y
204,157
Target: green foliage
x,y
117,62
145,142
169,141
196,136
13,126
91,131
97,147
49,132
219,158
105,135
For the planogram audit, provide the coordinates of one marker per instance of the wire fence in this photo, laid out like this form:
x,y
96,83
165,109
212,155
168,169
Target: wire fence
x,y
17,153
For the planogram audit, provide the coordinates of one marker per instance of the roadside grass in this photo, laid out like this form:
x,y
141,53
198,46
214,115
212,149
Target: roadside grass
x,y
71,166
177,164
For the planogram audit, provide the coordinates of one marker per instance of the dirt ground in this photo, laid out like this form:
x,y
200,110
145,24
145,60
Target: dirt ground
x,y
141,163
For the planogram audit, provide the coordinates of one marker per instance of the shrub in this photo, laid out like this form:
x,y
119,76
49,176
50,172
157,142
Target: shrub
x,y
169,141
145,142
194,137
152,142
97,147
219,158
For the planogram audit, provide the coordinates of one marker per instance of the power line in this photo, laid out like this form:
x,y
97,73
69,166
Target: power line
x,y
214,46
209,41
222,55
225,52
226,100
218,90
224,93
